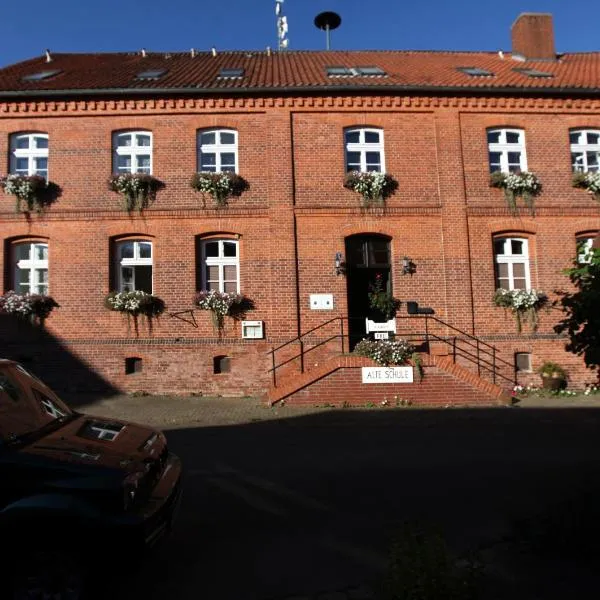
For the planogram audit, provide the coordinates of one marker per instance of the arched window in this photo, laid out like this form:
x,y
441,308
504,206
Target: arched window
x,y
219,265
585,149
29,154
218,150
30,267
585,243
364,149
511,258
506,150
133,265
132,152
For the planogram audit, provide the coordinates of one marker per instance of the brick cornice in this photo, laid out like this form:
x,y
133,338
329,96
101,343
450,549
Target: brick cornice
x,y
119,215
372,211
51,108
541,211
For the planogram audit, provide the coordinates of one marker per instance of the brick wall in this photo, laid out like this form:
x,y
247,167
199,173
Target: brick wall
x,y
293,219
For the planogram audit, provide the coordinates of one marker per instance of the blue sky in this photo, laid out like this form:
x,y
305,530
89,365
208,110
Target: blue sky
x,y
159,25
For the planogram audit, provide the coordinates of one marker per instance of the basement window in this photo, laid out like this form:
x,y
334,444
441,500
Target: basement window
x,y
523,362
41,75
151,74
133,364
475,71
231,73
221,364
533,73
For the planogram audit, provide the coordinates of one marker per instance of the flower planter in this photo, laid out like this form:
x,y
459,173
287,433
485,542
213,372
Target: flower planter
x,y
517,185
219,186
553,383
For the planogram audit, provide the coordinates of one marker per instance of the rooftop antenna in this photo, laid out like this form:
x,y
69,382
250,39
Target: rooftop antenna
x,y
282,26
328,21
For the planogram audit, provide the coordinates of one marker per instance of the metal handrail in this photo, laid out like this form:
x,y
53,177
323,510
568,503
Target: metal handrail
x,y
485,356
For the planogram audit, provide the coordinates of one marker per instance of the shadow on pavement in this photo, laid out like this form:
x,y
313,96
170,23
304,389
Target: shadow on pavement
x,y
302,506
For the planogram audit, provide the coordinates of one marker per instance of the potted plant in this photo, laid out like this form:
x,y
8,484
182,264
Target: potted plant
x,y
389,353
373,186
137,189
522,184
524,304
220,186
32,192
35,307
135,303
588,181
381,300
554,377
221,305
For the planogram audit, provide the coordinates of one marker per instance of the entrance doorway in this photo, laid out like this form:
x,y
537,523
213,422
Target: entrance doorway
x,y
367,257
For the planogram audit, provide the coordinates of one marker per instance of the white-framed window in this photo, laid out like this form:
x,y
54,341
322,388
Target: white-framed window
x,y
29,154
132,152
585,243
585,149
364,149
218,150
134,266
511,257
506,150
30,260
220,265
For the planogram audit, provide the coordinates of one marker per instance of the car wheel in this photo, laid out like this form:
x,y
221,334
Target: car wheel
x,y
48,575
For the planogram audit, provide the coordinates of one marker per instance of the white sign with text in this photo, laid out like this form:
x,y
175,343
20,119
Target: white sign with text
x,y
387,375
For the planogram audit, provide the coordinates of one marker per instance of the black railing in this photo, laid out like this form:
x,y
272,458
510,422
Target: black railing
x,y
462,346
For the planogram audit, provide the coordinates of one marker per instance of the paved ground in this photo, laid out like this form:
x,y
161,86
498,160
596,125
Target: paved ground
x,y
305,503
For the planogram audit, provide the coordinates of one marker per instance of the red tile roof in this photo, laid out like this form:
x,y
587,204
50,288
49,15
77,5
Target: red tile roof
x,y
297,71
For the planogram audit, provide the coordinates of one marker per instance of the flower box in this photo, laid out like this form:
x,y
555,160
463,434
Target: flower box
x,y
522,184
220,186
373,186
589,182
221,305
136,303
32,192
36,307
524,304
138,190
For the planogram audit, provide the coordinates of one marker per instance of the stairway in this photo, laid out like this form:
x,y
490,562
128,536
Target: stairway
x,y
458,370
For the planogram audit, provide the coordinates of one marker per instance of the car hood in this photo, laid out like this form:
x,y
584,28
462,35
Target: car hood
x,y
96,441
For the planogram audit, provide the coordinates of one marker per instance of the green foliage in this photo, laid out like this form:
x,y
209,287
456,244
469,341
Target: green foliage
x,y
551,369
581,307
421,567
381,300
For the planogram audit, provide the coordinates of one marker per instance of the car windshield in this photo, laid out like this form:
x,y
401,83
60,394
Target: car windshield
x,y
27,406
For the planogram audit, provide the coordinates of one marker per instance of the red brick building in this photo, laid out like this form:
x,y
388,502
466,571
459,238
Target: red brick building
x,y
297,243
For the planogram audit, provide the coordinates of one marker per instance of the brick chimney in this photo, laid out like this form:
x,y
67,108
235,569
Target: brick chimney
x,y
533,36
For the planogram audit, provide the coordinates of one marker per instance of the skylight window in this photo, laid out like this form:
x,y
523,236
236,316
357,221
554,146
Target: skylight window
x,y
533,72
231,73
338,72
41,75
355,72
476,72
151,74
369,71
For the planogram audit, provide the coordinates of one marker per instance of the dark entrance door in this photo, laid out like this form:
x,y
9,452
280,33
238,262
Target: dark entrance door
x,y
366,257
